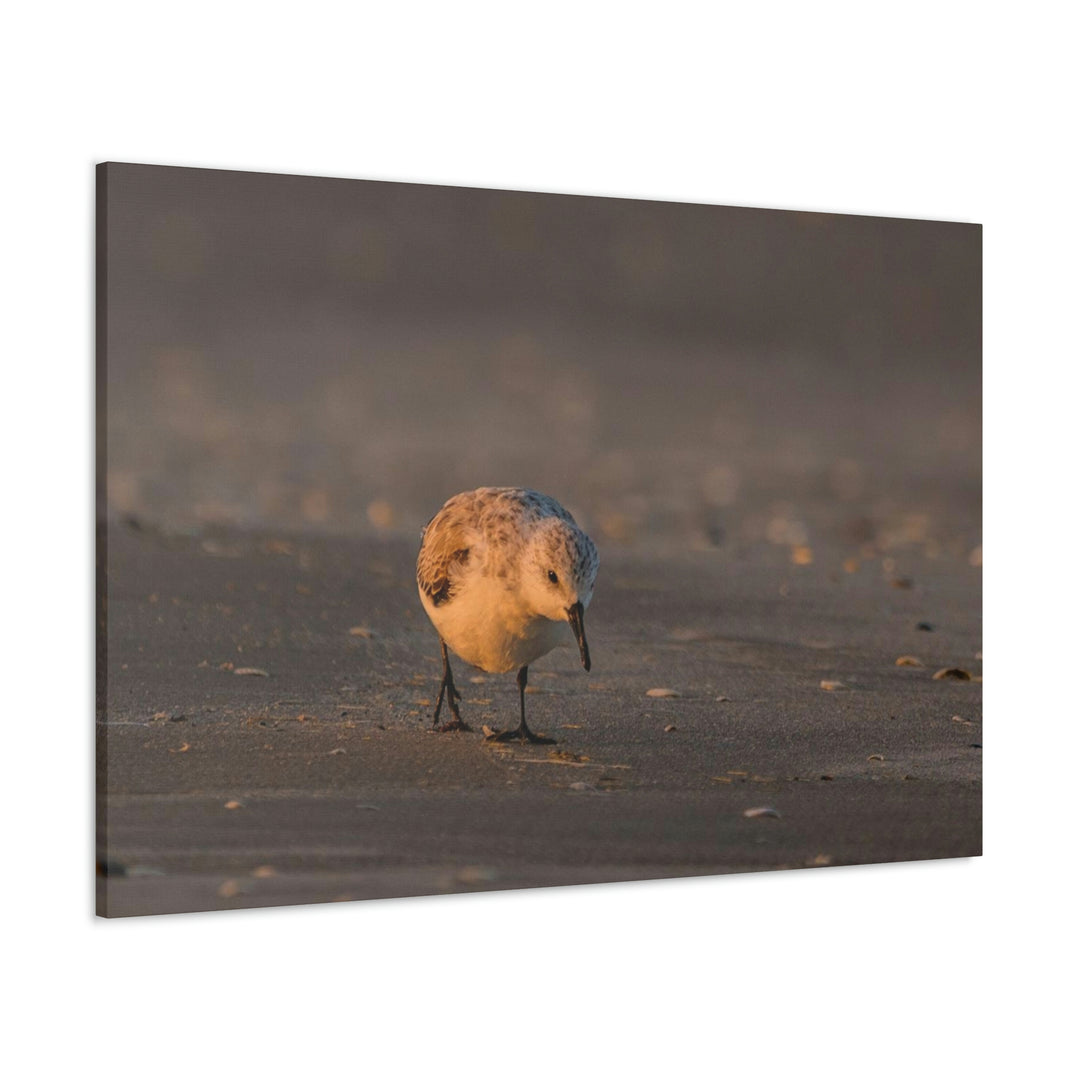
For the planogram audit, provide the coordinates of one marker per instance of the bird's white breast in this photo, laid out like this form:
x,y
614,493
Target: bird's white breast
x,y
487,625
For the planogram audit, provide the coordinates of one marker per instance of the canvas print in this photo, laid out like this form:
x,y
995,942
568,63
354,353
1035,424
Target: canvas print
x,y
454,540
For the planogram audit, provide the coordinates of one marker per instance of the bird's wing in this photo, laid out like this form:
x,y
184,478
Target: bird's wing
x,y
444,553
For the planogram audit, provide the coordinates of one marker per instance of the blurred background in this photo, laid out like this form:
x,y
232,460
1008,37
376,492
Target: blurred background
x,y
298,353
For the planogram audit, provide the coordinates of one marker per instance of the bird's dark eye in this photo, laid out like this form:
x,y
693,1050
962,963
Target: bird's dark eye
x,y
553,577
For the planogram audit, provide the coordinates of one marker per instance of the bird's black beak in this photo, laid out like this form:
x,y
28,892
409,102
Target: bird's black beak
x,y
575,614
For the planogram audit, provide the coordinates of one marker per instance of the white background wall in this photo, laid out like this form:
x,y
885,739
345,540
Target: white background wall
x,y
955,111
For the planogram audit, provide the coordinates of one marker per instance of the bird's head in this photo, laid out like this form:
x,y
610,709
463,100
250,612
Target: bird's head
x,y
559,573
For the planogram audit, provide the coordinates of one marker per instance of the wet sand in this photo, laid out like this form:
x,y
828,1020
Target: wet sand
x,y
321,780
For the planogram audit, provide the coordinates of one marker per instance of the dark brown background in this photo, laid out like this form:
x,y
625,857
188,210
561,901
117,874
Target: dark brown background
x,y
287,351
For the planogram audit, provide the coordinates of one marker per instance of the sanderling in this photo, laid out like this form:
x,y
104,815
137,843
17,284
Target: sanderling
x,y
502,572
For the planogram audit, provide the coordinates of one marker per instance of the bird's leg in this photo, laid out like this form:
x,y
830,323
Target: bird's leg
x,y
523,733
523,681
448,692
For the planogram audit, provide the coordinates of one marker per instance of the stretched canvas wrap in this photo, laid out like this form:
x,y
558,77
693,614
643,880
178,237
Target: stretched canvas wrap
x,y
726,618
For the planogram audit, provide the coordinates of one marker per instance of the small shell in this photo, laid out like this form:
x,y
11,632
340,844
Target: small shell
x,y
761,811
566,755
671,727
251,671
659,691
831,684
908,661
953,673
233,804
361,631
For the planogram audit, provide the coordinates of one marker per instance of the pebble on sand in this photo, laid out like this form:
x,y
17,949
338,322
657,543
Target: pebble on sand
x,y
832,684
660,691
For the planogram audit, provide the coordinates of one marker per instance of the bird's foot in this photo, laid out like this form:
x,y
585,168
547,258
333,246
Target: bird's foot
x,y
449,694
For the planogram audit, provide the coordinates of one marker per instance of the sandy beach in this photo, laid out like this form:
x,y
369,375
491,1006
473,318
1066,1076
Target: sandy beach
x,y
320,780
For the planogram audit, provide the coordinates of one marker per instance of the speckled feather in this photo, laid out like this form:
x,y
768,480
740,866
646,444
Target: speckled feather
x,y
481,526
479,567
